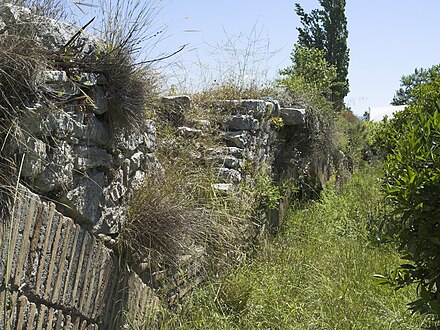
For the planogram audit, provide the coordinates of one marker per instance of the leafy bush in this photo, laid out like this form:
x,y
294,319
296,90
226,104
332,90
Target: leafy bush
x,y
269,194
310,78
412,186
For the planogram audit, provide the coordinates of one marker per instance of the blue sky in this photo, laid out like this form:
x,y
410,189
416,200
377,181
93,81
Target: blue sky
x,y
387,38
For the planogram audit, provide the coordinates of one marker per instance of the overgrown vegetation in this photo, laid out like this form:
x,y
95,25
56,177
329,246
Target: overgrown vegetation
x,y
182,213
316,274
309,78
24,58
410,142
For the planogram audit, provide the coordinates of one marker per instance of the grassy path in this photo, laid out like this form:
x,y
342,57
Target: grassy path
x,y
316,274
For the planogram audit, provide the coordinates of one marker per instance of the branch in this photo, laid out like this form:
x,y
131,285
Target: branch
x,y
77,34
162,58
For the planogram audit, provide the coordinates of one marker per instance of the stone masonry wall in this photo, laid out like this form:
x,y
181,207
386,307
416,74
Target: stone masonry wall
x,y
59,268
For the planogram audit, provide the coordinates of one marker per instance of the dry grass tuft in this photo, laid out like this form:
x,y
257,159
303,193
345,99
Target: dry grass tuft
x,y
130,88
159,223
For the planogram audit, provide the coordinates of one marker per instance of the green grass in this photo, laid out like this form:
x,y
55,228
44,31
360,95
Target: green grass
x,y
316,274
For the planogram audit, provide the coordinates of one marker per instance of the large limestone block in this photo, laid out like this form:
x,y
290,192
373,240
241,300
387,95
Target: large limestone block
x,y
236,139
90,157
84,201
242,123
292,116
50,34
256,108
58,172
35,157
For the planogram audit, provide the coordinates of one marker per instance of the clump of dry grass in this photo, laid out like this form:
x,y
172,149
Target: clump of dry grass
x,y
159,223
166,223
130,86
127,35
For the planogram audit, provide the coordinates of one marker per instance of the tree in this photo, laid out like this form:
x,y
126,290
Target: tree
x,y
310,76
326,29
311,67
409,83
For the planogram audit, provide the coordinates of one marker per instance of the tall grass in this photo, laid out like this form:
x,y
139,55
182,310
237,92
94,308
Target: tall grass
x,y
316,274
233,68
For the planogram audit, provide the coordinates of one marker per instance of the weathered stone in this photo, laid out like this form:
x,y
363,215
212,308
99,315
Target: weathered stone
x,y
256,108
95,132
58,173
88,79
114,193
100,99
236,139
125,140
232,162
66,124
242,123
189,132
136,161
292,116
236,152
229,175
137,180
86,198
50,34
35,158
150,135
111,221
54,76
58,85
228,161
42,121
223,187
91,157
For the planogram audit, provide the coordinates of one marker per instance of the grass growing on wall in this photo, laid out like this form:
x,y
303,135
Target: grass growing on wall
x,y
316,274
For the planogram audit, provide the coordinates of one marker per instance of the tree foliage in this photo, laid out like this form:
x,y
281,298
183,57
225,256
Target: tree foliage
x,y
409,83
326,29
412,185
310,76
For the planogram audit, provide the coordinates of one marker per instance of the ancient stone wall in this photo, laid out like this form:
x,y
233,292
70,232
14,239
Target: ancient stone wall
x,y
59,262
55,266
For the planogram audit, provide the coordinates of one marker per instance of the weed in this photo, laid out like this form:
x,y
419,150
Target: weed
x,y
316,274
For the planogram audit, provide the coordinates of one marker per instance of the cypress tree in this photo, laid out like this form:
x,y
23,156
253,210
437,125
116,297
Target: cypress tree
x,y
326,29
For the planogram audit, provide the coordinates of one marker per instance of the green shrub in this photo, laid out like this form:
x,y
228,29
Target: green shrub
x,y
269,194
310,78
412,186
